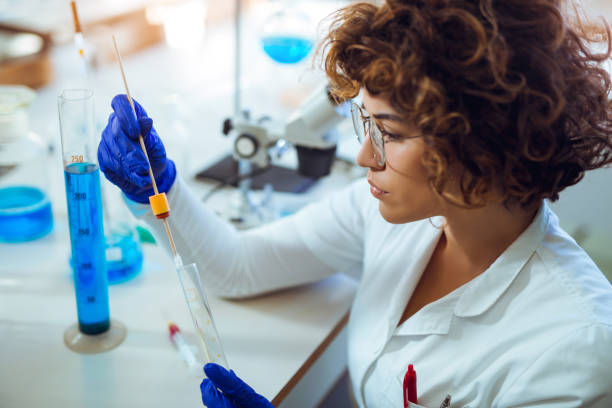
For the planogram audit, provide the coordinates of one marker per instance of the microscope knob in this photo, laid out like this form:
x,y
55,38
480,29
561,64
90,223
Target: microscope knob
x,y
246,146
227,126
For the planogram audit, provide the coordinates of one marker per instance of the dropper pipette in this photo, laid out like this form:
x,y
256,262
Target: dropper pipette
x,y
79,42
78,32
188,275
159,202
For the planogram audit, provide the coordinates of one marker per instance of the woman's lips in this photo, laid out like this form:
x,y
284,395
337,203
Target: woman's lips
x,y
377,192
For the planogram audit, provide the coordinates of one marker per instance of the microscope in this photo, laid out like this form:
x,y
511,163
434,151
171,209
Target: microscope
x,y
310,128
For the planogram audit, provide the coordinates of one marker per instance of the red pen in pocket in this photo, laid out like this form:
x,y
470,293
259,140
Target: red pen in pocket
x,y
410,386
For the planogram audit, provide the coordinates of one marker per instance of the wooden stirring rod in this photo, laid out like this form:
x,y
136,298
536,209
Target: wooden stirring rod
x,y
144,150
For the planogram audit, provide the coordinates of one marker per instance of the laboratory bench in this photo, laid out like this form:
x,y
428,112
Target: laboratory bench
x,y
278,343
288,345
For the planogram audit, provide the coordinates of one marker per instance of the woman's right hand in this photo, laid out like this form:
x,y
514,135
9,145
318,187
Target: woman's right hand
x,y
121,158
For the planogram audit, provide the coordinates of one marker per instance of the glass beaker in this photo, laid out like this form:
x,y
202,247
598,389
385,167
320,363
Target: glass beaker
x,y
25,208
123,249
287,36
83,196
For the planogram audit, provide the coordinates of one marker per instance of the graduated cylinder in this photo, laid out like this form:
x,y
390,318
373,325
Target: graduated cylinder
x,y
82,177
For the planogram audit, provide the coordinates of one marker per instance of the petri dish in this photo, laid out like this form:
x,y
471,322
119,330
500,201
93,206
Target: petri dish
x,y
25,214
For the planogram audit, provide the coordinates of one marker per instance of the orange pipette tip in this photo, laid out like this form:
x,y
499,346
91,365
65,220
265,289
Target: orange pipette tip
x,y
75,17
159,205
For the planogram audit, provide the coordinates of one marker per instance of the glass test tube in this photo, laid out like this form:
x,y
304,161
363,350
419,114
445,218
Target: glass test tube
x,y
82,177
210,343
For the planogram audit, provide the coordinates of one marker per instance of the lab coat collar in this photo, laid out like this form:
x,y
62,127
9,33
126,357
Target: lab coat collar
x,y
471,299
482,293
432,323
434,318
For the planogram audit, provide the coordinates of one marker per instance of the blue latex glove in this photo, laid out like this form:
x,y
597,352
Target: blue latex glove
x,y
122,160
223,389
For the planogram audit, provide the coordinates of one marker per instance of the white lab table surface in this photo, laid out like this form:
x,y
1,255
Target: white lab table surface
x,y
269,340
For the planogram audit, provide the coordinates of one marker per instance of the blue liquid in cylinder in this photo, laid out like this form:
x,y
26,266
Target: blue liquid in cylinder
x,y
286,50
87,239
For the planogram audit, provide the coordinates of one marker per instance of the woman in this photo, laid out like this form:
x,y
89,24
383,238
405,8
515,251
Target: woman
x,y
474,112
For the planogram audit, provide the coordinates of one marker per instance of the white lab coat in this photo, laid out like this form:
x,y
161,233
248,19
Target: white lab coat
x,y
535,329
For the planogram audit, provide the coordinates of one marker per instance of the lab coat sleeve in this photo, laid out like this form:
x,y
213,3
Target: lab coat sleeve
x,y
573,372
244,263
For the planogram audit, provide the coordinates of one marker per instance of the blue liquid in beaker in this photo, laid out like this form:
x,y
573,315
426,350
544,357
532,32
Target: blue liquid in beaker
x,y
25,214
123,256
286,50
87,239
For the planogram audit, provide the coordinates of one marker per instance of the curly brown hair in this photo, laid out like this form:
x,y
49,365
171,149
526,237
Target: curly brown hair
x,y
510,90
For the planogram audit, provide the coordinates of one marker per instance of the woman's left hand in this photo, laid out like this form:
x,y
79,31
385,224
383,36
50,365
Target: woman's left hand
x,y
223,389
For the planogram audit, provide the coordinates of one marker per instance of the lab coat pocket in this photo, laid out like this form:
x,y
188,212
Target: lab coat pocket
x,y
391,395
398,384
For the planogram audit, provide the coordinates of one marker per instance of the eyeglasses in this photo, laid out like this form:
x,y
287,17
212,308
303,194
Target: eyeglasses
x,y
364,127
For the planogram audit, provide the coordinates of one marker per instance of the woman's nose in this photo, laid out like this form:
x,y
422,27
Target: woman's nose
x,y
365,157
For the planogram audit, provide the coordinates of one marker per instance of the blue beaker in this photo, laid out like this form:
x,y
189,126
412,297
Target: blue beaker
x,y
25,208
122,245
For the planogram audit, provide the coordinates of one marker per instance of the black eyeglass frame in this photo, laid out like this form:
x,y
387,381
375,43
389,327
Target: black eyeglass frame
x,y
365,127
